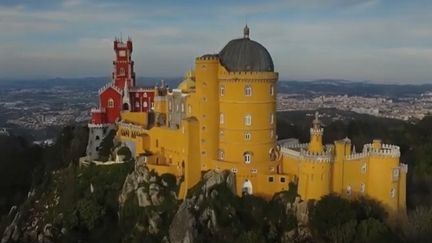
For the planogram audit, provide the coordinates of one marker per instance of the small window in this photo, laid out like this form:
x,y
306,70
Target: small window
x,y
254,171
110,103
122,71
189,109
362,187
157,143
248,120
221,118
220,154
248,90
145,104
247,136
137,104
271,118
270,179
271,90
221,90
282,179
221,133
247,157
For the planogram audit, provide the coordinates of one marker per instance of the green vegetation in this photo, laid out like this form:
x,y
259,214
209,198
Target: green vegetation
x,y
334,219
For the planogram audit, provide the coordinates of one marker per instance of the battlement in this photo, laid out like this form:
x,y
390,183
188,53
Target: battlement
x,y
208,57
102,125
110,85
386,150
129,126
248,75
97,110
317,131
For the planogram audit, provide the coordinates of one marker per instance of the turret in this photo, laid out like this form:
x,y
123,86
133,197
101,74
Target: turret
x,y
316,133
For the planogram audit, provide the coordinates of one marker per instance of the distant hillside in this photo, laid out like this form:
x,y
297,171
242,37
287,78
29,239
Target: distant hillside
x,y
317,87
341,87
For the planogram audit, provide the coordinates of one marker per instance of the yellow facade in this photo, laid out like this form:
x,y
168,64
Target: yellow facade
x,y
223,117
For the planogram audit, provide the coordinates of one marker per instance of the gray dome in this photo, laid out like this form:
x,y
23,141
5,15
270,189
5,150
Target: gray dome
x,y
246,55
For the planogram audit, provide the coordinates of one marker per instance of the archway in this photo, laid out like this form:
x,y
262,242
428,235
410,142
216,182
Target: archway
x,y
125,106
247,187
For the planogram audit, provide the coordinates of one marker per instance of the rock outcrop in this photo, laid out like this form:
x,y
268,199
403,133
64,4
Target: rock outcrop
x,y
195,213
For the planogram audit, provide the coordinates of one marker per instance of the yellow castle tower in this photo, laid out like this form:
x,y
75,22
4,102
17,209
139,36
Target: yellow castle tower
x,y
222,116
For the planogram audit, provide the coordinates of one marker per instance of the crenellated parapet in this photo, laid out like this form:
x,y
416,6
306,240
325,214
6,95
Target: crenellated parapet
x,y
316,157
317,131
247,75
109,85
385,150
91,125
208,57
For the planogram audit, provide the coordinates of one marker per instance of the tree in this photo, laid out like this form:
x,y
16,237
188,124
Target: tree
x,y
330,212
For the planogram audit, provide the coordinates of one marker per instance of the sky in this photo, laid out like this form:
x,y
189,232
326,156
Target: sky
x,y
386,41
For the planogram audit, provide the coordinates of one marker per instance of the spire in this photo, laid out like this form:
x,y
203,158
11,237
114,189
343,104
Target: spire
x,y
316,122
246,32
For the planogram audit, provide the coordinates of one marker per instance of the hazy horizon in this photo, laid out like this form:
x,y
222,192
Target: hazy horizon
x,y
382,41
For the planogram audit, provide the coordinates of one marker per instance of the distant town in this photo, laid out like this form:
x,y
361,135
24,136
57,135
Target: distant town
x,y
409,108
60,103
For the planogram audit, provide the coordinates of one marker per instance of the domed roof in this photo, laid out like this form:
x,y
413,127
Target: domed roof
x,y
245,54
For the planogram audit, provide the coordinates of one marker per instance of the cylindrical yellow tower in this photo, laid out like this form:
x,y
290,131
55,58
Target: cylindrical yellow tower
x,y
247,103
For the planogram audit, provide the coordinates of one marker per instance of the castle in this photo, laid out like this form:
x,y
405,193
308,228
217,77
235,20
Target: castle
x,y
222,116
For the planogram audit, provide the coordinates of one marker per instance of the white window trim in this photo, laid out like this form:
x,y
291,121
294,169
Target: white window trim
x,y
247,157
247,136
110,103
248,120
248,90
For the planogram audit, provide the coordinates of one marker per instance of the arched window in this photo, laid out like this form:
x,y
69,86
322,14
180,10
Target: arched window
x,y
122,71
221,118
248,90
137,104
145,104
247,157
110,103
221,90
247,136
248,120
271,90
247,187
